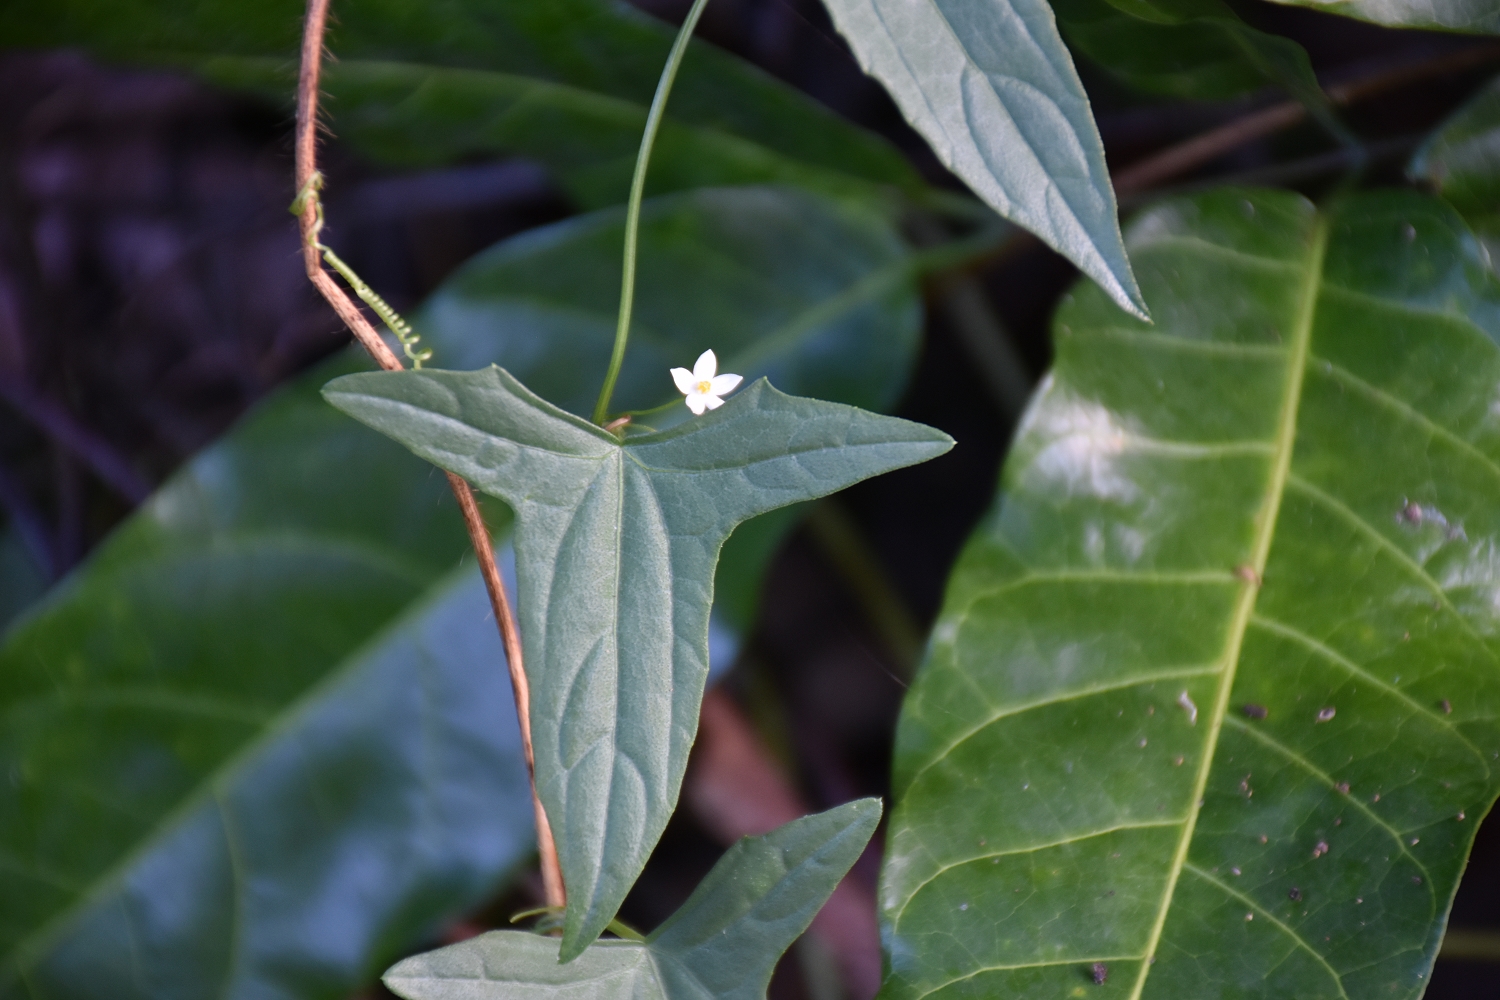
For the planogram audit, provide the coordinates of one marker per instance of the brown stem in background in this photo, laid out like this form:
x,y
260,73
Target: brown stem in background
x,y
1200,149
364,332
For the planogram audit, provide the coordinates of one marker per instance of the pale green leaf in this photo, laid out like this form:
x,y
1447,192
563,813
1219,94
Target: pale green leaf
x,y
991,87
723,942
1213,699
615,549
1477,16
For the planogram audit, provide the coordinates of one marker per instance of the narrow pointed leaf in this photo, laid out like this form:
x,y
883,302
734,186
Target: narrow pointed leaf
x,y
991,87
723,942
1217,678
1198,49
1481,17
615,552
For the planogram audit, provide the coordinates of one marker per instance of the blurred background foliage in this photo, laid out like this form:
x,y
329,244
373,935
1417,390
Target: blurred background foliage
x,y
338,766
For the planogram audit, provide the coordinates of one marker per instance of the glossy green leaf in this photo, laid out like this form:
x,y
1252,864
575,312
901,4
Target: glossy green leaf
x,y
991,87
1197,49
1476,16
263,739
1213,698
616,545
566,81
723,942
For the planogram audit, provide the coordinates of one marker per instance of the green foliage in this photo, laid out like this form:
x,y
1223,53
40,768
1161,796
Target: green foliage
x,y
1462,161
1222,659
262,516
723,942
230,733
1197,49
1476,16
615,543
990,85
566,82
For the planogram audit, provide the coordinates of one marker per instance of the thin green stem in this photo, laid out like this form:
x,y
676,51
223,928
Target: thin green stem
x,y
633,207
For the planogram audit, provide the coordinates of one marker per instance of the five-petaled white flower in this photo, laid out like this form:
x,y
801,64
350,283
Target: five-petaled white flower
x,y
701,386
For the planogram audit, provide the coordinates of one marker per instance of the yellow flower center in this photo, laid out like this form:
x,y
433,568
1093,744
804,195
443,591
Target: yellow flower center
x,y
704,387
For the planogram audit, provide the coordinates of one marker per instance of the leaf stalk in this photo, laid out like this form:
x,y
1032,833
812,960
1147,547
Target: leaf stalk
x,y
309,211
633,207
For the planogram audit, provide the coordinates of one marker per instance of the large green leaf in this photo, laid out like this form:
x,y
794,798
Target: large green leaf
x,y
990,85
723,942
616,545
264,739
566,81
241,552
1477,16
1196,49
1213,698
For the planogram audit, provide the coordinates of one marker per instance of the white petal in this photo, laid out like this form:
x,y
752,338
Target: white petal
x,y
706,366
684,379
721,385
697,402
712,402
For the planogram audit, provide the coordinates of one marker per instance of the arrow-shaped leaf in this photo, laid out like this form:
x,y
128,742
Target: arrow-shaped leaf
x,y
615,552
1218,679
723,942
991,87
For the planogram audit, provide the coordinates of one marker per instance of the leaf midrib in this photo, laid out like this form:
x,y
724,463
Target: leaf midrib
x,y
1285,440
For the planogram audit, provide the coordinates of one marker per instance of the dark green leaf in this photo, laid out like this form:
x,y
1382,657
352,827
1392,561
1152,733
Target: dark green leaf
x,y
263,739
1462,161
566,81
615,549
1477,16
274,496
1216,682
723,942
1197,49
990,85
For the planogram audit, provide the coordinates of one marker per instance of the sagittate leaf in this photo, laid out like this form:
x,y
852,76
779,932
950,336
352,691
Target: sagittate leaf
x,y
991,87
820,296
615,548
264,739
723,942
1477,16
1211,708
1197,49
567,82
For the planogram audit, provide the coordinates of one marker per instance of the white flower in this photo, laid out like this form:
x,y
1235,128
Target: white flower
x,y
701,386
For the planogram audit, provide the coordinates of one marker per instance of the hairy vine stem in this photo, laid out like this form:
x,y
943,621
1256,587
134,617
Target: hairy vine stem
x,y
633,207
310,216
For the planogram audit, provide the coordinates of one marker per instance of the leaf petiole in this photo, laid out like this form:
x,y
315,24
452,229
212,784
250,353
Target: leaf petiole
x,y
633,206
